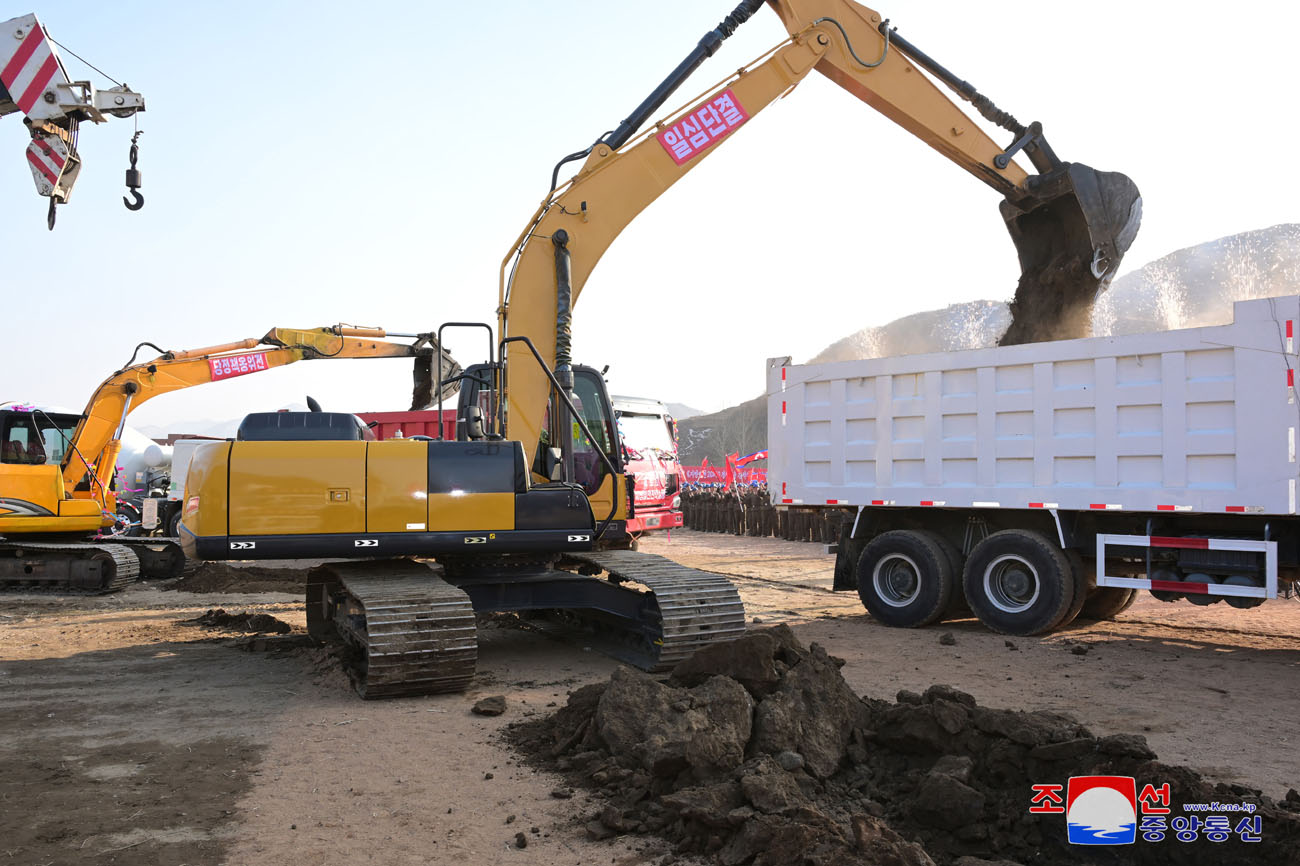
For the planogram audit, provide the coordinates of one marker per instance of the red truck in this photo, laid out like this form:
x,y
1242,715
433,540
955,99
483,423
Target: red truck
x,y
421,422
649,437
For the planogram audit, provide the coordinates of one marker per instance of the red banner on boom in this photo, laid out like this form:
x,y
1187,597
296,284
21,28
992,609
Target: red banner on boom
x,y
705,125
237,365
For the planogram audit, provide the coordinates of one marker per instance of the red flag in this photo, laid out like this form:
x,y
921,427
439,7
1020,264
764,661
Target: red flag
x,y
731,469
750,458
705,463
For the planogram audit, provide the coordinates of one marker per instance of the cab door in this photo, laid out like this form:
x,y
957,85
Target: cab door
x,y
603,489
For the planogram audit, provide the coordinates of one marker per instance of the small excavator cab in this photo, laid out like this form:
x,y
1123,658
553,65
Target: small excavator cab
x,y
1070,233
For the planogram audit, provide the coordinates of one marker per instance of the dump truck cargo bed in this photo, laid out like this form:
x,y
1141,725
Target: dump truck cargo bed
x,y
1200,420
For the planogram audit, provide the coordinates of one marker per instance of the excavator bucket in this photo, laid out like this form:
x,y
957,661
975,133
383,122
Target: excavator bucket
x,y
1070,232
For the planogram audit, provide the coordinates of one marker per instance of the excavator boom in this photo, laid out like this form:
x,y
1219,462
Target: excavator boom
x,y
1071,224
98,433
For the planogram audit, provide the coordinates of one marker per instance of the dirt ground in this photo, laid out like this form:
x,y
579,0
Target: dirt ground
x,y
130,737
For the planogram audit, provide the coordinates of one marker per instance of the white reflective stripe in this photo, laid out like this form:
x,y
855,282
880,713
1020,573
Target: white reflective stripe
x,y
986,505
25,76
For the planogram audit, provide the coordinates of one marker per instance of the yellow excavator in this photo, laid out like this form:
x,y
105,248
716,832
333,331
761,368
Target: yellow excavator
x,y
525,509
57,502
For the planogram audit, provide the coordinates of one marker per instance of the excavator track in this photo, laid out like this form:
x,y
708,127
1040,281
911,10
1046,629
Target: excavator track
x,y
95,569
692,608
161,558
410,632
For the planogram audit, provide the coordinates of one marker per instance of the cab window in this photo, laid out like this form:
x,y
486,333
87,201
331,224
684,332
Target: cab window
x,y
20,442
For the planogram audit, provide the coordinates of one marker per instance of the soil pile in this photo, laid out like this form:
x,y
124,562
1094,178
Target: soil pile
x,y
256,623
220,577
757,751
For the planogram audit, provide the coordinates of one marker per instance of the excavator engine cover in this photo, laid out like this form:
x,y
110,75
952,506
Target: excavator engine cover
x,y
1070,232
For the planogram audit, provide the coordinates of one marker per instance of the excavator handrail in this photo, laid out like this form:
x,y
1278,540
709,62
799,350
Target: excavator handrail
x,y
573,413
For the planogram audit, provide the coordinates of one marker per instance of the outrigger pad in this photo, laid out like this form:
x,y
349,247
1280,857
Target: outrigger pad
x,y
1070,232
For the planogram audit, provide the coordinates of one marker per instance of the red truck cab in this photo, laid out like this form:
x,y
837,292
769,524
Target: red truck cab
x,y
649,437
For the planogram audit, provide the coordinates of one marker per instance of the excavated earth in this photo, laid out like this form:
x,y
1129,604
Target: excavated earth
x,y
758,752
256,623
221,577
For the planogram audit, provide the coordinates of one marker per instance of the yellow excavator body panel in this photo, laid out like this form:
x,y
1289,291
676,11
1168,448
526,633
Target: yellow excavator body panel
x,y
397,486
309,488
471,512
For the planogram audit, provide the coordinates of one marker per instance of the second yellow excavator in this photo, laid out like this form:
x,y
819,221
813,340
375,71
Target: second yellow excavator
x,y
57,502
525,510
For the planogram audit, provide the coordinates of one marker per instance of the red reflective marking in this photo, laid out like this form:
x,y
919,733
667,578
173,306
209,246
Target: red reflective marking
x,y
832,502
1035,505
782,407
1179,586
1288,327
49,152
783,368
1164,508
787,501
1239,509
783,488
37,87
20,58
1186,543
1290,378
42,168
1100,505
877,502
927,502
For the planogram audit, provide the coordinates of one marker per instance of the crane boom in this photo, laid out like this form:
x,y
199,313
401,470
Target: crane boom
x,y
33,81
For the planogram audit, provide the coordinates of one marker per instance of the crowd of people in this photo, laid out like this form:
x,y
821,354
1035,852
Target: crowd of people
x,y
748,510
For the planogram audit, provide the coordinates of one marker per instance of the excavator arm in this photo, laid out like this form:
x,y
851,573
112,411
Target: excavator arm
x,y
96,442
1071,224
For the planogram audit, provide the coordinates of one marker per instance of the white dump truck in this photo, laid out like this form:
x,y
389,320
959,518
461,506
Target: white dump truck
x,y
1039,481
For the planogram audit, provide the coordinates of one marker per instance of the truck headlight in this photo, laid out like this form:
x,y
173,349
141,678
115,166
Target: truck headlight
x,y
677,502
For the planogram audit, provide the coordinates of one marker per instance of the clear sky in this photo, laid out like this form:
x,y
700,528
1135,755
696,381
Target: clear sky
x,y
310,163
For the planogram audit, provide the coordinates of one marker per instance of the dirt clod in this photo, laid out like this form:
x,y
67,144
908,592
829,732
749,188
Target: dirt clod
x,y
824,777
494,705
257,623
948,639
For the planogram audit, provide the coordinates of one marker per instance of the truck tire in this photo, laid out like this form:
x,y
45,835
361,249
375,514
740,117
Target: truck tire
x,y
905,579
1019,582
1108,602
1085,581
957,607
174,524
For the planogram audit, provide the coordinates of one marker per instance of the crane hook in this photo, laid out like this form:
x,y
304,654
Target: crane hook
x,y
134,177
